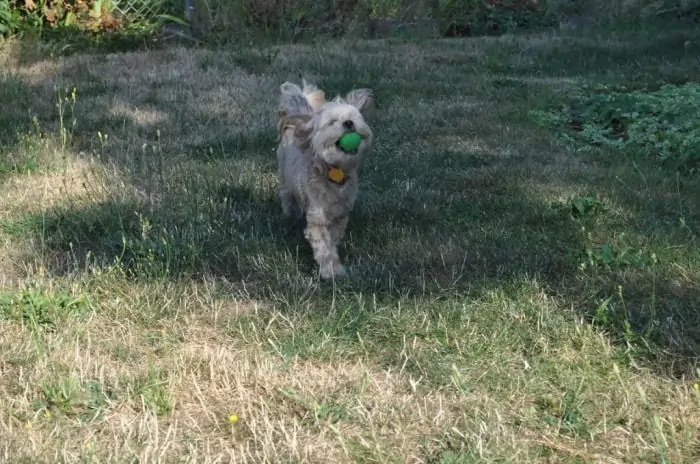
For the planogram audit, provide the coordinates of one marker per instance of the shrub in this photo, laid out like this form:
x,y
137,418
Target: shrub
x,y
10,20
293,19
94,15
630,10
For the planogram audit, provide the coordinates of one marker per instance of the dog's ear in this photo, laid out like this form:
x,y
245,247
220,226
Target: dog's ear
x,y
360,98
293,102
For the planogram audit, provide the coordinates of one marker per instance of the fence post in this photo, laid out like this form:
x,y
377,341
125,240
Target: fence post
x,y
189,9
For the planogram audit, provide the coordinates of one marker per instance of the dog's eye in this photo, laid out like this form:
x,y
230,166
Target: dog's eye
x,y
331,122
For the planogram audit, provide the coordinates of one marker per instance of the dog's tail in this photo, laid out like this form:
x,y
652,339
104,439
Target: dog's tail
x,y
315,96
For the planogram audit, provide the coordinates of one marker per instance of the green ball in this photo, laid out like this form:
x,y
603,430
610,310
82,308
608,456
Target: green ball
x,y
350,141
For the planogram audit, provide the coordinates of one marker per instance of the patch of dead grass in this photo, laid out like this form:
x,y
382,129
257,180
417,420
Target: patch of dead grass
x,y
35,192
279,404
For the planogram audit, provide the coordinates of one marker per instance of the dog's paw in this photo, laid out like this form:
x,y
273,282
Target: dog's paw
x,y
333,271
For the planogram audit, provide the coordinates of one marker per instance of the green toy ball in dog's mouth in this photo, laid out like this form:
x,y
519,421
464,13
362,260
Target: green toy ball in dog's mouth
x,y
349,142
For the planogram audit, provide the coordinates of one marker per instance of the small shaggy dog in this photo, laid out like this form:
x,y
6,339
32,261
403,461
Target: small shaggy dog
x,y
316,177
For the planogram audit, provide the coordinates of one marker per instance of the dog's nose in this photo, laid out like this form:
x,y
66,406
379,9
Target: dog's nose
x,y
349,125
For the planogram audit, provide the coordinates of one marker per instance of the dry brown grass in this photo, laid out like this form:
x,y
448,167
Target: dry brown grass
x,y
461,337
280,405
287,409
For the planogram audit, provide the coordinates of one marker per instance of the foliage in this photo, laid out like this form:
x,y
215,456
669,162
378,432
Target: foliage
x,y
482,17
81,15
9,18
94,15
622,9
663,125
335,17
292,20
283,18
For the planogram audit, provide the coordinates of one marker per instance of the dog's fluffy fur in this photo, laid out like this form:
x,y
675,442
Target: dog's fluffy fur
x,y
309,128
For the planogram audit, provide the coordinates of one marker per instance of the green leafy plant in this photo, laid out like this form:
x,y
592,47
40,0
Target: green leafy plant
x,y
39,307
95,16
154,393
616,253
580,207
86,399
662,125
483,17
10,21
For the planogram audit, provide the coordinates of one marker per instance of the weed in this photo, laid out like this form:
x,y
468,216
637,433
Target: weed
x,y
618,252
40,308
153,393
85,400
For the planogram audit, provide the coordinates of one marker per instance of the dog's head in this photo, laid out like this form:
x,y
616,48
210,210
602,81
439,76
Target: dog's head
x,y
319,124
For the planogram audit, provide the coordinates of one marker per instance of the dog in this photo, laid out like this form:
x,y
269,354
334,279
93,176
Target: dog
x,y
318,179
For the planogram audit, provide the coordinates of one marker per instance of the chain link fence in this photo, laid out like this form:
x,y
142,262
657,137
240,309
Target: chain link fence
x,y
148,10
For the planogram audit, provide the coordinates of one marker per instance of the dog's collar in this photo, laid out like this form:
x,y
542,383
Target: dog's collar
x,y
335,174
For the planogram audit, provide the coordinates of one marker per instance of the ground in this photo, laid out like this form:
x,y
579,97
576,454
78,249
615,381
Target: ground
x,y
512,297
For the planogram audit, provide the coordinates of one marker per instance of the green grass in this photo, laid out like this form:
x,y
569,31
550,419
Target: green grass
x,y
517,291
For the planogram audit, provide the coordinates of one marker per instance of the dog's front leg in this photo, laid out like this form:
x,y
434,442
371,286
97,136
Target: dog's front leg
x,y
320,233
338,230
289,203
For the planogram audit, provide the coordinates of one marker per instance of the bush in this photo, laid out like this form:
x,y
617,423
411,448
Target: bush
x,y
93,15
629,10
10,20
288,19
281,17
294,19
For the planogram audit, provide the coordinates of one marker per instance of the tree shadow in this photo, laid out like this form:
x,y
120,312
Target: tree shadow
x,y
394,249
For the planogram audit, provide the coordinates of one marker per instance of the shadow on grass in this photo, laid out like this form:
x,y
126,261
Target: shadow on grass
x,y
14,120
395,250
445,223
67,40
408,246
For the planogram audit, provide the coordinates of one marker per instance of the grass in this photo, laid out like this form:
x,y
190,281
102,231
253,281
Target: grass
x,y
515,294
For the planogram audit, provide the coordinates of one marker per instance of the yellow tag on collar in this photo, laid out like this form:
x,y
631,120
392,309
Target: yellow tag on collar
x,y
336,175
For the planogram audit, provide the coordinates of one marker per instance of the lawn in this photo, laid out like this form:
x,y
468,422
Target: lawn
x,y
524,286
